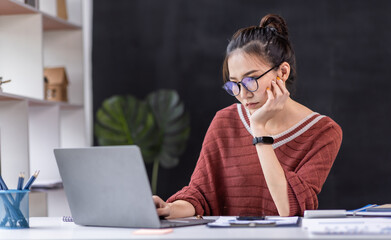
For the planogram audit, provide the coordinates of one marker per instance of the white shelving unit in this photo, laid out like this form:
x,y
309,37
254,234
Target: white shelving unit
x,y
31,127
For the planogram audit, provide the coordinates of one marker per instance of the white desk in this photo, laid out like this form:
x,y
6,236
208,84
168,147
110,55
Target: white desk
x,y
54,228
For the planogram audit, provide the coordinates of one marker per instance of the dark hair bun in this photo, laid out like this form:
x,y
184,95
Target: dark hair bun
x,y
275,21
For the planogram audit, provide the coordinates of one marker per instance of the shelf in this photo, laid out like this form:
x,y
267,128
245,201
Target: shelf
x,y
53,23
8,7
12,7
30,126
37,102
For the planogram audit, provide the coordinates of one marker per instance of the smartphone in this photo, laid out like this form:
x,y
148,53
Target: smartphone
x,y
250,218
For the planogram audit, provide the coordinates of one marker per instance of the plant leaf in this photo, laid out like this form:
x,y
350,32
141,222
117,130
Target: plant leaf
x,y
125,120
173,123
166,160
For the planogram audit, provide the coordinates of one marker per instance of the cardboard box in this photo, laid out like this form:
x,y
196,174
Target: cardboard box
x,y
62,9
56,84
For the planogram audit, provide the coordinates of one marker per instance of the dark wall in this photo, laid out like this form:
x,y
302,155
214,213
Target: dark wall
x,y
343,55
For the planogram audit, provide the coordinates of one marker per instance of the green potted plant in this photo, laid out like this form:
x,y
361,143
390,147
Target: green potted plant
x,y
159,125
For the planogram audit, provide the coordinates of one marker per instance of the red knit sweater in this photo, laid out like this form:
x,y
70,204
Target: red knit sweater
x,y
228,179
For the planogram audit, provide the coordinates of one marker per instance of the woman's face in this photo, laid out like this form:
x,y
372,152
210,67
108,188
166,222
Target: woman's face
x,y
241,65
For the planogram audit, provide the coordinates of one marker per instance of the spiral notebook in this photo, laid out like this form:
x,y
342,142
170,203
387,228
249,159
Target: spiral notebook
x,y
108,186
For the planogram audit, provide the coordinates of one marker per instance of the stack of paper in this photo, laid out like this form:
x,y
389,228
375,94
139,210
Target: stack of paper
x,y
47,184
347,225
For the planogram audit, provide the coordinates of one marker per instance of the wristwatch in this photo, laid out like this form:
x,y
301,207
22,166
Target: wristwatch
x,y
264,140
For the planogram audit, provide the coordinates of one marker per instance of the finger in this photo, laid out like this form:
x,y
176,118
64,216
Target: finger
x,y
276,89
158,201
282,86
270,95
162,212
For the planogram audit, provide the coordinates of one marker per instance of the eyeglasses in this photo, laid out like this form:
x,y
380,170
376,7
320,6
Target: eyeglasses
x,y
249,83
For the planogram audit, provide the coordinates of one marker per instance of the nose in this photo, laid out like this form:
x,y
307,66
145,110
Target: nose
x,y
244,93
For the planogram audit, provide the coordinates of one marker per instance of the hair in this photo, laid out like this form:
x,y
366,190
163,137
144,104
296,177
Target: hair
x,y
269,40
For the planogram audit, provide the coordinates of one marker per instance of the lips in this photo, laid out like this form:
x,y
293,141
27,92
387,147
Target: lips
x,y
251,105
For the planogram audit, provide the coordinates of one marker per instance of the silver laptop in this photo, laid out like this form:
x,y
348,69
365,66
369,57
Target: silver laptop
x,y
109,186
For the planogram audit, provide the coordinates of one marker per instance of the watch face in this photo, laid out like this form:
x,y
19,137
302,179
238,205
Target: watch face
x,y
268,140
264,140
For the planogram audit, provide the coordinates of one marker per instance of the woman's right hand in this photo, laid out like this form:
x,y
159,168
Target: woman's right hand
x,y
163,208
177,209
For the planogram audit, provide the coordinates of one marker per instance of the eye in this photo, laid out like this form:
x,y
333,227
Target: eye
x,y
250,83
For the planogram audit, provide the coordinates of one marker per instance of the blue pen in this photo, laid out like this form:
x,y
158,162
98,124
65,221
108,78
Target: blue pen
x,y
362,209
20,181
3,185
31,180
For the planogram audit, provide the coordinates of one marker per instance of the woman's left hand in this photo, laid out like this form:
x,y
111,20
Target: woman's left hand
x,y
277,97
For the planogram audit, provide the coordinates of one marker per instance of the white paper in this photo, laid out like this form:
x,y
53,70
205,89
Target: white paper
x,y
278,221
348,225
47,183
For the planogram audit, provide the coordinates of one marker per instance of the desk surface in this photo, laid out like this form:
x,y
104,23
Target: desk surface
x,y
54,228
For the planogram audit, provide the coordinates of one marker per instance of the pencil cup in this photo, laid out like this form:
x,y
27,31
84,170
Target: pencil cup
x,y
14,209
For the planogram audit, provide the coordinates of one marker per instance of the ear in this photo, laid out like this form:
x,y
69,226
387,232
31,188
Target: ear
x,y
283,71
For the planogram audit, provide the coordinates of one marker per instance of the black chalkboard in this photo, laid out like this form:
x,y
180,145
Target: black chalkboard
x,y
343,55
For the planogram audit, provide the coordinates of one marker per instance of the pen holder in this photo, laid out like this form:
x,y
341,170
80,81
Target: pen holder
x,y
14,209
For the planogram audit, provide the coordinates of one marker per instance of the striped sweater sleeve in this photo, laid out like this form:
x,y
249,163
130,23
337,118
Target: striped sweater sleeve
x,y
307,178
201,189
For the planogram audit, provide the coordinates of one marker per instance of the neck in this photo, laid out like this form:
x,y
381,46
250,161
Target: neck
x,y
283,115
292,113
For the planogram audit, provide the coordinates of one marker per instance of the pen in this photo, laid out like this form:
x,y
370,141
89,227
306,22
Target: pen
x,y
363,208
31,180
3,185
20,181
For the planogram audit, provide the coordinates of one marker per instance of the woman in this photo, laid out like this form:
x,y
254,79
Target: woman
x,y
269,155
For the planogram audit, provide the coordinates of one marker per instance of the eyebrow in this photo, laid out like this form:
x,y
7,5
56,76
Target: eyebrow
x,y
246,74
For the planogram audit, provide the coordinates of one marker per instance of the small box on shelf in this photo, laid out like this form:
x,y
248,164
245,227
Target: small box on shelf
x,y
32,3
62,9
56,84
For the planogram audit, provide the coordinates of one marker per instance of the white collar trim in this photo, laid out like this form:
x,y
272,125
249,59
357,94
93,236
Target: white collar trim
x,y
239,106
277,144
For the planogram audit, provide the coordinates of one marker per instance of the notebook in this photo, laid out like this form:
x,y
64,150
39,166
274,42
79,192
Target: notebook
x,y
109,186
